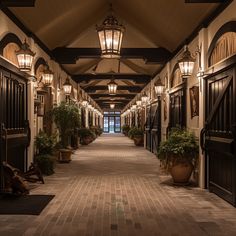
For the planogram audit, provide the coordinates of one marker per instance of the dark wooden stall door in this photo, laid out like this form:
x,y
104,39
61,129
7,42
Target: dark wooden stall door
x,y
155,126
148,128
14,130
178,107
220,134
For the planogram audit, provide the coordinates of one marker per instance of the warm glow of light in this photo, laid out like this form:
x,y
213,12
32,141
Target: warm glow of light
x,y
25,57
110,35
67,87
112,106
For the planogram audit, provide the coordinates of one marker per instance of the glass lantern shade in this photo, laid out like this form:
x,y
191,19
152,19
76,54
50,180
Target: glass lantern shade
x,y
139,103
67,87
84,103
112,87
110,35
47,76
186,63
112,106
25,57
144,99
128,111
133,108
159,88
90,106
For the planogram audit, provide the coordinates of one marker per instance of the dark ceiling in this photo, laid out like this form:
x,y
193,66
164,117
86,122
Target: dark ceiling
x,y
155,29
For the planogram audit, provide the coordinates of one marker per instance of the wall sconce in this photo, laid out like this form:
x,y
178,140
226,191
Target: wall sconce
x,y
67,87
186,63
144,99
25,57
139,103
47,76
85,103
110,35
134,107
159,88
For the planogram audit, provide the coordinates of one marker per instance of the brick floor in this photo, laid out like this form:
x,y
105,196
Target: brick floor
x,y
114,188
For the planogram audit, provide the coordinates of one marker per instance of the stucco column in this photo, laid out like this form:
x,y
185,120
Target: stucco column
x,y
32,122
203,42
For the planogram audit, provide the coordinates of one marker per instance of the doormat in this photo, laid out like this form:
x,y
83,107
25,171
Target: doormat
x,y
23,205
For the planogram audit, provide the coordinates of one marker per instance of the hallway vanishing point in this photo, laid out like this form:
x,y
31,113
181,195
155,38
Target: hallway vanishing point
x,y
112,187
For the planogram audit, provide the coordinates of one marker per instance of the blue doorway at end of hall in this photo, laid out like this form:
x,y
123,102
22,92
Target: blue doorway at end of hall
x,y
112,122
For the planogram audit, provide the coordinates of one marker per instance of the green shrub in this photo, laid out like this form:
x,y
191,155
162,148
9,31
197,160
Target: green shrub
x,y
45,164
135,131
44,143
181,145
125,129
85,132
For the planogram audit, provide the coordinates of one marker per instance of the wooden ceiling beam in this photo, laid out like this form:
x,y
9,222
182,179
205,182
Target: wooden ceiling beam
x,y
64,55
18,3
132,89
205,1
108,96
137,78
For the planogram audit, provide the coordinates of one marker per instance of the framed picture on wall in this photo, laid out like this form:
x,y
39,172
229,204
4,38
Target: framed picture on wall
x,y
194,101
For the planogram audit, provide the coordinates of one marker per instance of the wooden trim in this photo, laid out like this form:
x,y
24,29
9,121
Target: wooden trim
x,y
177,88
13,69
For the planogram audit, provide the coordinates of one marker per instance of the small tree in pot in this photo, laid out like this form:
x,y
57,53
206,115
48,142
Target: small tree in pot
x,y
137,136
179,154
125,129
86,136
67,118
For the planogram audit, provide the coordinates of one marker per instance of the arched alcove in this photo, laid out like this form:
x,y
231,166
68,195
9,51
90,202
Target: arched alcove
x,y
9,44
223,44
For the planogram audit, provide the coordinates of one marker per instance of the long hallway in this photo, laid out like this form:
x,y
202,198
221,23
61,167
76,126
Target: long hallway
x,y
112,187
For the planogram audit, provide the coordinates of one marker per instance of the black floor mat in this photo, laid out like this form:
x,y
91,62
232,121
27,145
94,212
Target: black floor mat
x,y
23,205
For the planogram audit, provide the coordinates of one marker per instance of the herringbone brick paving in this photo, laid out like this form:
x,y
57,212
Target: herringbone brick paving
x,y
112,188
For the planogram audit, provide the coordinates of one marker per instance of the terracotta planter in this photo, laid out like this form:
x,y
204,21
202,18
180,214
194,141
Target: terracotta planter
x,y
181,172
86,140
138,140
64,156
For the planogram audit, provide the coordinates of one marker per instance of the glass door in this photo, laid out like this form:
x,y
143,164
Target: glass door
x,y
111,124
106,124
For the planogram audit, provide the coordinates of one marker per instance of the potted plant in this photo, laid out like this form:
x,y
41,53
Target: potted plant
x,y
67,118
44,148
125,129
179,154
132,131
86,136
137,135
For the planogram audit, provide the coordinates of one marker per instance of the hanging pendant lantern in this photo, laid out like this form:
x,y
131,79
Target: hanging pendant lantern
x,y
67,87
186,63
112,87
25,57
159,87
110,35
112,105
47,76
